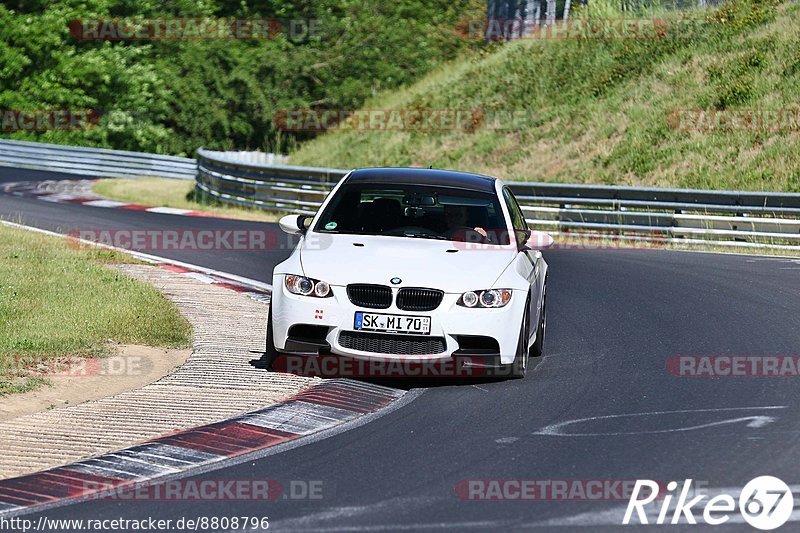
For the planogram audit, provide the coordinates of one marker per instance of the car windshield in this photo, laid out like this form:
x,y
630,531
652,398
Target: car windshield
x,y
415,211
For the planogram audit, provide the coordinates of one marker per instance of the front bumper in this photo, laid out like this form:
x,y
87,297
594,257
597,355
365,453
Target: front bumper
x,y
449,322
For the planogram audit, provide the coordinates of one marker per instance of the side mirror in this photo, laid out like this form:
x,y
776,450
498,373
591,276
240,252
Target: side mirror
x,y
294,224
539,240
535,240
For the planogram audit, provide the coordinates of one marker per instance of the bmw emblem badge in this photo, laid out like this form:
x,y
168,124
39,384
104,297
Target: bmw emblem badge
x,y
396,281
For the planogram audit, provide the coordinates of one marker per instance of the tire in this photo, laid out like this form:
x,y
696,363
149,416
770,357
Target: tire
x,y
538,345
270,353
520,365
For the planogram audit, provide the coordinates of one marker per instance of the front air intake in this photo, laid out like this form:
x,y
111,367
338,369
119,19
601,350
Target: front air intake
x,y
392,344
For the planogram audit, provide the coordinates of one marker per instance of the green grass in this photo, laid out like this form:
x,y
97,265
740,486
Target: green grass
x,y
180,194
57,300
603,111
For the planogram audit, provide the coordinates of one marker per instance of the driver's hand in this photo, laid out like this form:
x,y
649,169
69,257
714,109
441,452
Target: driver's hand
x,y
481,231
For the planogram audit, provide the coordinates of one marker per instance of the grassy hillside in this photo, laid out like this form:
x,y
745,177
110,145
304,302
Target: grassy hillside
x,y
605,111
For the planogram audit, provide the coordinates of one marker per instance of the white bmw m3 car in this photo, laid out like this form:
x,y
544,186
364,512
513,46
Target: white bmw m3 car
x,y
412,264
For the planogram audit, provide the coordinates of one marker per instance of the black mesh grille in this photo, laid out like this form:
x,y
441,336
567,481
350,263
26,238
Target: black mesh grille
x,y
413,299
391,344
372,296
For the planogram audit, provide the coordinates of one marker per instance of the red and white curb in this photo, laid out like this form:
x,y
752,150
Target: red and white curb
x,y
326,405
257,293
39,191
253,288
318,408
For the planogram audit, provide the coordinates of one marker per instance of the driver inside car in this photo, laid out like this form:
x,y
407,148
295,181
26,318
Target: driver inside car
x,y
457,218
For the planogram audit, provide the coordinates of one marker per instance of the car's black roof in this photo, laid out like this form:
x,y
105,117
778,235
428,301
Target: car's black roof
x,y
423,176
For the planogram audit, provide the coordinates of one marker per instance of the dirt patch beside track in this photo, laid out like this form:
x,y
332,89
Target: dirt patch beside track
x,y
77,380
215,382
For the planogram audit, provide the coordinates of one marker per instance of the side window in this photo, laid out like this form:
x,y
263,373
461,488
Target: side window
x,y
517,218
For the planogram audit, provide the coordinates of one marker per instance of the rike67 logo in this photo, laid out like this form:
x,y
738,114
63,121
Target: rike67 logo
x,y
764,503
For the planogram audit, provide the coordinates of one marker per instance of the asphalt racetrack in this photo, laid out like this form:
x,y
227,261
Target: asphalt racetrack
x,y
607,402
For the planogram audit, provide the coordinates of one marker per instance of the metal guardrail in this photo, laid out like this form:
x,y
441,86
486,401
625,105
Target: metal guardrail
x,y
96,162
634,214
230,177
593,212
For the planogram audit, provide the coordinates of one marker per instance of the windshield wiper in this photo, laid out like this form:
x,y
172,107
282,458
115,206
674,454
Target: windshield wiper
x,y
425,236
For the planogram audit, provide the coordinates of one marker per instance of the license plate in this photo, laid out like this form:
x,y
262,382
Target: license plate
x,y
393,323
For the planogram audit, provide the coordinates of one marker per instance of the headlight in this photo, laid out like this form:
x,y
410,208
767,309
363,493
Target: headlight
x,y
469,299
485,298
307,286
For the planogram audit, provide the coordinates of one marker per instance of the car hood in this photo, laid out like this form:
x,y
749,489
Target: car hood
x,y
345,259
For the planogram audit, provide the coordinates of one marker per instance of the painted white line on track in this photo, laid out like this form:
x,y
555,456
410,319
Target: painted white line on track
x,y
105,203
754,421
200,277
168,210
57,197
